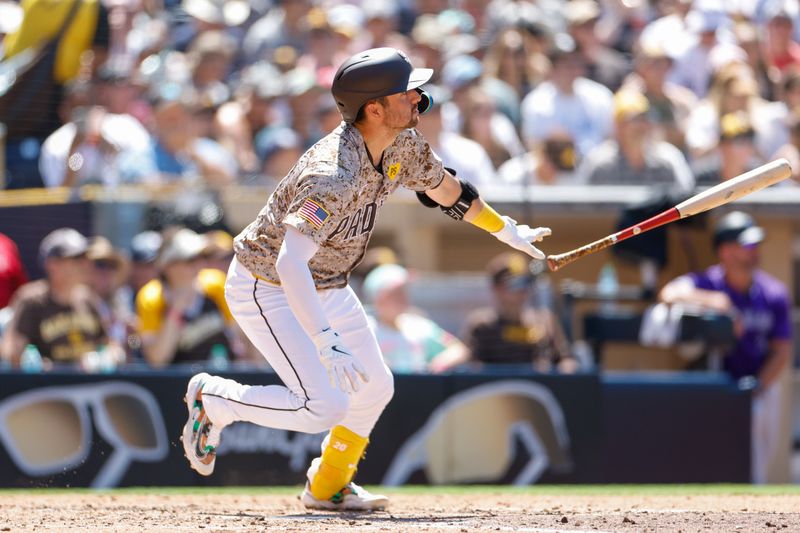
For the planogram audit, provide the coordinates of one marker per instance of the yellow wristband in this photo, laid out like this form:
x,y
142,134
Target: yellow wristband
x,y
488,219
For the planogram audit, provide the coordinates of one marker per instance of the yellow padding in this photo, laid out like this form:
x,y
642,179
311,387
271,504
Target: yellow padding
x,y
339,461
488,219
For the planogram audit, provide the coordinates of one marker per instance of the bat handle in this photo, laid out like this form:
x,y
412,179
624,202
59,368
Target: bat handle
x,y
556,261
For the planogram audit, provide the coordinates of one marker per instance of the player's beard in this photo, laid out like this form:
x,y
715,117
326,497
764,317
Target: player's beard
x,y
401,123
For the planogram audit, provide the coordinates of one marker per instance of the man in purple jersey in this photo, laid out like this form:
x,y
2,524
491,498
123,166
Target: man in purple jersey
x,y
759,305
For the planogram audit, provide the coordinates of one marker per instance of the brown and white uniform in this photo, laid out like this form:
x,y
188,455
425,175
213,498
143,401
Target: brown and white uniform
x,y
332,195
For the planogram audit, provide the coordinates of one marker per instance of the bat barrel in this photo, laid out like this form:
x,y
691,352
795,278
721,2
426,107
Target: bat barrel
x,y
733,189
722,193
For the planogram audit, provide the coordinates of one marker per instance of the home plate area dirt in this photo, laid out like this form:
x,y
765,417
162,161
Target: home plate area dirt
x,y
472,511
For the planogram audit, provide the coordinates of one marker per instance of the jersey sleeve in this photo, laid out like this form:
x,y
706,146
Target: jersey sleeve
x,y
318,206
782,323
150,307
414,163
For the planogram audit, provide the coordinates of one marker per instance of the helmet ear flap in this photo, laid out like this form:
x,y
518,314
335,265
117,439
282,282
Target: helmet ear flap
x,y
425,103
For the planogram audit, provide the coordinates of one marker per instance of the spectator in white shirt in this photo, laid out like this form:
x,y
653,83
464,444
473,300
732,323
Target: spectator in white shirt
x,y
567,102
696,65
85,149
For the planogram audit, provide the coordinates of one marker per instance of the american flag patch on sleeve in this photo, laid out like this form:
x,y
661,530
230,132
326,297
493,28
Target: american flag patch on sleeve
x,y
313,213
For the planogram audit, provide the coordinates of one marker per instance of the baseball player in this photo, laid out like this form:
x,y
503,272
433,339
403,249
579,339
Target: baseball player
x,y
287,285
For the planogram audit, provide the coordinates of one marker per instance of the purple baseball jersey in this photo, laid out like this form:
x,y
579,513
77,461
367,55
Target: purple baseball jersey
x,y
764,312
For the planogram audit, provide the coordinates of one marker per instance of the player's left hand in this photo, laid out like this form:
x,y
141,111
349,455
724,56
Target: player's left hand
x,y
521,236
344,370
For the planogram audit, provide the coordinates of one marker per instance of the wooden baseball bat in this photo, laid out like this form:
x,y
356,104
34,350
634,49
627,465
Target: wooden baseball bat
x,y
719,194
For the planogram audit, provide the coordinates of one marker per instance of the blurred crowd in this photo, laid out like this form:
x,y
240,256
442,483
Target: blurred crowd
x,y
211,93
161,302
97,307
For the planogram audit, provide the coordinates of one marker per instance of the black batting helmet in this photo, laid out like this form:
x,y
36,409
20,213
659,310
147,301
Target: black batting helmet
x,y
374,73
737,226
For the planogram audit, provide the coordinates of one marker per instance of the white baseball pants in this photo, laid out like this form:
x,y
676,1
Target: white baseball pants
x,y
765,431
307,401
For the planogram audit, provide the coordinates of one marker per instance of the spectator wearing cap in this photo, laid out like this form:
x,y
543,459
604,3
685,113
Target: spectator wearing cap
x,y
85,150
144,252
603,63
182,314
567,102
177,154
631,156
466,156
374,257
57,314
513,331
759,305
552,162
670,104
108,272
409,341
736,152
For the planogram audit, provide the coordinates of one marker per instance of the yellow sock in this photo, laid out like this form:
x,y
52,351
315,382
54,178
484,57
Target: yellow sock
x,y
488,219
338,463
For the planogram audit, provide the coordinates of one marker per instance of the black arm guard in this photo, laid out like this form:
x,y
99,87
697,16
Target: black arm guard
x,y
468,194
426,200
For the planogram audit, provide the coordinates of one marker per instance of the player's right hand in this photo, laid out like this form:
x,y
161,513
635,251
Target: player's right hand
x,y
521,236
344,370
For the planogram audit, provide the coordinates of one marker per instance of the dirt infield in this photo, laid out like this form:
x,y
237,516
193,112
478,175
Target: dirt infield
x,y
485,510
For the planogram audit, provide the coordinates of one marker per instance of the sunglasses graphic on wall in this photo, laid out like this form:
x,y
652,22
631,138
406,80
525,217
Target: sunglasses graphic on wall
x,y
48,430
475,436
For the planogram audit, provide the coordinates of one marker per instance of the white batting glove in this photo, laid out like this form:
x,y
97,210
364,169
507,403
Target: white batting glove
x,y
520,237
344,370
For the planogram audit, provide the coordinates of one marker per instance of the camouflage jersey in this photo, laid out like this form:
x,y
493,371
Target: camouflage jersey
x,y
332,195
